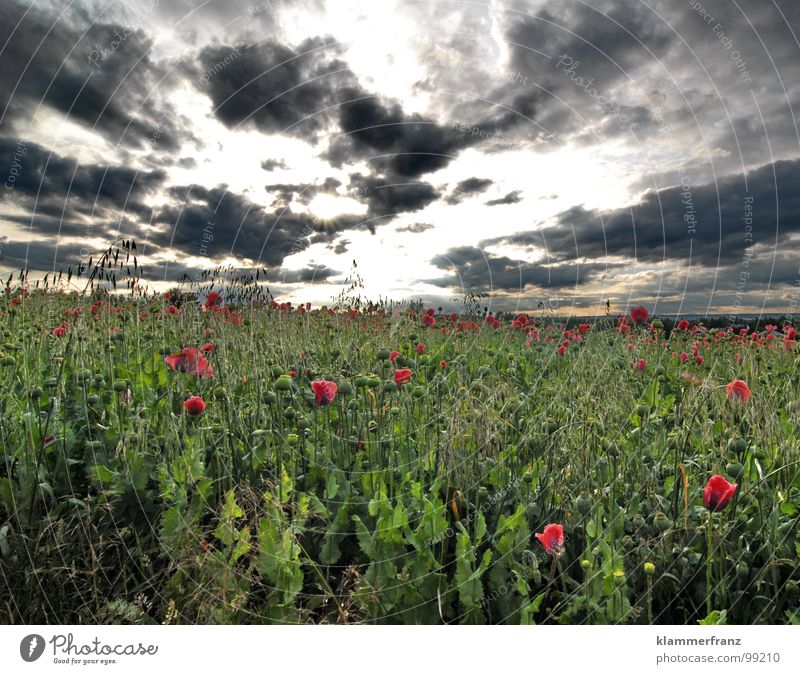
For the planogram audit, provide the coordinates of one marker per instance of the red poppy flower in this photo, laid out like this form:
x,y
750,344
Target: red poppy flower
x,y
739,388
717,493
552,538
640,315
402,376
208,347
188,360
194,405
683,324
420,348
60,331
443,363
324,391
171,309
640,364
428,321
213,300
393,356
684,357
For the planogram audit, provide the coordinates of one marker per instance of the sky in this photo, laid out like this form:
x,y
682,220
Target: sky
x,y
559,154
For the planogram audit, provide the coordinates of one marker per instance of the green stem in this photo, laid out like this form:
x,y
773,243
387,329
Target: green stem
x,y
709,563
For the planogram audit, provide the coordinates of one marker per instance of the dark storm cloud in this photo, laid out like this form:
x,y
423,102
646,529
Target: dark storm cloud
x,y
103,79
42,254
472,267
303,193
272,164
311,274
467,188
510,198
658,227
63,187
416,228
395,143
386,199
272,87
217,223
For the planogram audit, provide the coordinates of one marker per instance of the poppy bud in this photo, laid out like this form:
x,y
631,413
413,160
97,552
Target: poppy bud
x,y
737,445
284,383
583,504
735,470
662,522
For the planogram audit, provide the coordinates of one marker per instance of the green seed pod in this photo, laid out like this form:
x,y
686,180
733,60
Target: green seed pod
x,y
619,578
373,382
289,413
742,570
483,493
7,361
382,354
394,410
119,385
642,409
36,393
418,392
83,375
585,564
292,439
389,387
284,383
662,522
302,423
649,568
735,470
583,504
276,370
361,381
637,521
737,444
270,398
346,388
372,426
50,382
93,399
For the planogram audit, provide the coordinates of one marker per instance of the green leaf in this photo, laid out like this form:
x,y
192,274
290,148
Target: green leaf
x,y
715,618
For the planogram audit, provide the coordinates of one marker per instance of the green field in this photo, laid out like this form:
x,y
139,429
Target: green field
x,y
387,500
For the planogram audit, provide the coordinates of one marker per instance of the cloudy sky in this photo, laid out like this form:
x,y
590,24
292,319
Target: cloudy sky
x,y
565,152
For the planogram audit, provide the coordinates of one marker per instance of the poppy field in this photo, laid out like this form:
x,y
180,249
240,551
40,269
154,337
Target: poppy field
x,y
215,456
